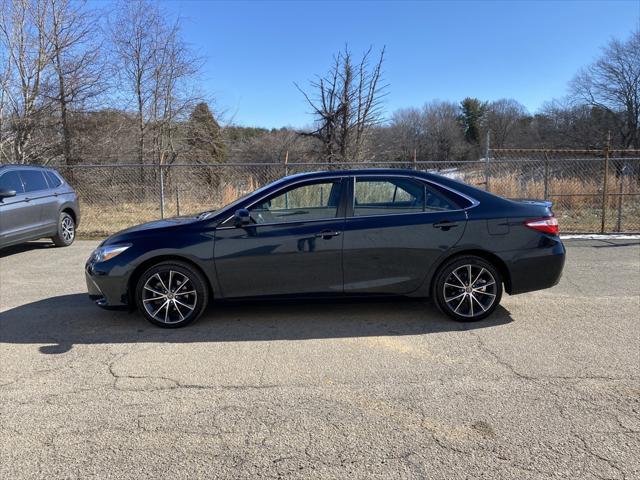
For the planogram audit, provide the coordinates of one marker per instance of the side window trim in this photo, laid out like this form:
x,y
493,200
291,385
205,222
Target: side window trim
x,y
424,181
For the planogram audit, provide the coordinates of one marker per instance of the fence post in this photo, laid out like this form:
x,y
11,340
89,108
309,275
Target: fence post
x,y
286,163
605,183
546,175
161,190
415,159
177,202
486,161
620,190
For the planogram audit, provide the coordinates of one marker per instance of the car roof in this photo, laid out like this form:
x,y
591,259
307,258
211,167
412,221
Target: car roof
x,y
17,165
360,171
370,172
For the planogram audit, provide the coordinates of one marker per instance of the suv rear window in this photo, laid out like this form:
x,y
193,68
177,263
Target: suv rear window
x,y
11,181
53,179
33,180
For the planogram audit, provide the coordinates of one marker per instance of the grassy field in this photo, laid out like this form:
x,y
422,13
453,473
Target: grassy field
x,y
577,204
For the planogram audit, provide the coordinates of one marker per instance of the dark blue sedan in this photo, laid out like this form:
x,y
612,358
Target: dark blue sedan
x,y
339,233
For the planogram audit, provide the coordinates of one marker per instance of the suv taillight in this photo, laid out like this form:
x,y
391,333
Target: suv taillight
x,y
544,225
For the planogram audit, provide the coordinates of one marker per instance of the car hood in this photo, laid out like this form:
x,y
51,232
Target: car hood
x,y
149,227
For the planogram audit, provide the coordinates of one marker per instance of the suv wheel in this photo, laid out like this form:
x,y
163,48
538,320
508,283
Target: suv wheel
x,y
66,231
468,288
171,294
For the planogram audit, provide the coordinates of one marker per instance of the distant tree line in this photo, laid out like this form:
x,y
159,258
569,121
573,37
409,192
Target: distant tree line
x,y
83,85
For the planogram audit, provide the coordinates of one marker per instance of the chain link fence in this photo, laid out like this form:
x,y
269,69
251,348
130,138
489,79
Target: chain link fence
x,y
592,190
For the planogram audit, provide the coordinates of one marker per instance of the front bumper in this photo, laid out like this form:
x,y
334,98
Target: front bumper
x,y
105,290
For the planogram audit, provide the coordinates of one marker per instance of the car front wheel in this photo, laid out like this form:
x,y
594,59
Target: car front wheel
x,y
66,231
468,288
171,294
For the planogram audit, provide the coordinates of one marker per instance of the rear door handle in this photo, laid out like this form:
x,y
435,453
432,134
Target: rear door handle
x,y
445,225
327,234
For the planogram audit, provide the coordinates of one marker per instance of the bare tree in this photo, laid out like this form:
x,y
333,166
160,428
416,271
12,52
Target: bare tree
x,y
156,67
612,83
444,134
346,104
408,135
25,42
76,61
503,118
561,124
133,41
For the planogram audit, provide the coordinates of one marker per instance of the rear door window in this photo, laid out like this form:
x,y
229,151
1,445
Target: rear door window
x,y
33,180
11,181
387,196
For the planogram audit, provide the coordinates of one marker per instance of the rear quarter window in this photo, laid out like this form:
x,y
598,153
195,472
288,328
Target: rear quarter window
x,y
53,179
438,198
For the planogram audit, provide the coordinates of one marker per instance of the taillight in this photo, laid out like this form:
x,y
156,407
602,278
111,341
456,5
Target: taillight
x,y
544,225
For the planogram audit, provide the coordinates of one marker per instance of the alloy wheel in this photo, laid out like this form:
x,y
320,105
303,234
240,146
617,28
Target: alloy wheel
x,y
470,290
68,229
169,296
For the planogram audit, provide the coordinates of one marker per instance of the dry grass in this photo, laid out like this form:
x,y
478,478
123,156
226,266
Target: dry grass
x,y
577,213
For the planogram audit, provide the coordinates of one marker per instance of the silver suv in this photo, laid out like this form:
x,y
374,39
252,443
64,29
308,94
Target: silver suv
x,y
36,202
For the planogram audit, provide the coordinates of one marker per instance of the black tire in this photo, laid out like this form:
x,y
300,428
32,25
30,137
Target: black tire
x,y
456,298
66,231
162,294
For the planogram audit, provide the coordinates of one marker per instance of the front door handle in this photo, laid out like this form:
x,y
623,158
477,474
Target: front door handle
x,y
327,234
445,225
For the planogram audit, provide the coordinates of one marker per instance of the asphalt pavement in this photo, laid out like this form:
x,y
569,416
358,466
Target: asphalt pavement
x,y
548,387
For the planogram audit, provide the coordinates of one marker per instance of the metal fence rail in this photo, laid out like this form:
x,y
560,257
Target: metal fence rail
x,y
592,191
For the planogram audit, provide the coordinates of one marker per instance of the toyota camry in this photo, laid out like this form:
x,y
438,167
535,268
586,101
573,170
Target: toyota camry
x,y
380,232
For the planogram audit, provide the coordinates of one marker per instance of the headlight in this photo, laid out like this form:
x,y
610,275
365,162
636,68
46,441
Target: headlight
x,y
102,254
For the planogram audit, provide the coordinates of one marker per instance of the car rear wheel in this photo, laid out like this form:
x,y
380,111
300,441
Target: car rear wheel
x,y
171,294
468,288
66,231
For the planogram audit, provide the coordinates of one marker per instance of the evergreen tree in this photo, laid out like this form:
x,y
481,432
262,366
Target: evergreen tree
x,y
471,118
205,136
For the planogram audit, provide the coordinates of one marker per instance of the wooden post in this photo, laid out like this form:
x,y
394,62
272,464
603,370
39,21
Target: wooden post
x,y
161,191
621,189
486,161
605,181
286,163
546,175
415,159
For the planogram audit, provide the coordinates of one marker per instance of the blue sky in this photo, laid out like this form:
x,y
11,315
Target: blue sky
x,y
255,51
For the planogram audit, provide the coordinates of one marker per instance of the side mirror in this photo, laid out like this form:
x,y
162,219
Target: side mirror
x,y
7,193
241,218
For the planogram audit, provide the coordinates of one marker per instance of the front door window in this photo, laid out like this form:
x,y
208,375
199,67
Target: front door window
x,y
315,201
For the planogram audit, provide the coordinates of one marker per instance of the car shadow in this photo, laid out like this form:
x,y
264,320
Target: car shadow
x,y
25,247
64,321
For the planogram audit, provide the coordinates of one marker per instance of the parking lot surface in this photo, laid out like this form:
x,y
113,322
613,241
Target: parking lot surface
x,y
549,387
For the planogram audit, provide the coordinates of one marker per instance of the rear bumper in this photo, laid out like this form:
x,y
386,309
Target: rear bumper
x,y
537,268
